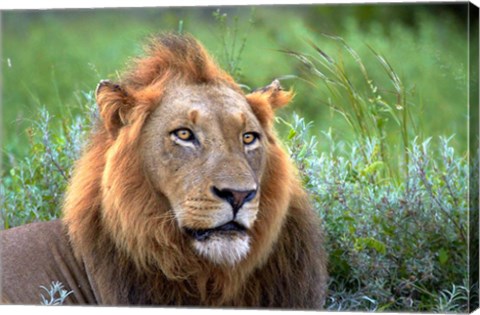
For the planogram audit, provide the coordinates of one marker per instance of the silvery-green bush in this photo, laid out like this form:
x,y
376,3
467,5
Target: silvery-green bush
x,y
56,294
392,245
32,190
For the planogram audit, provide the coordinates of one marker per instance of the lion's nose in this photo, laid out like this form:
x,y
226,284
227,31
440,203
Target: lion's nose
x,y
236,198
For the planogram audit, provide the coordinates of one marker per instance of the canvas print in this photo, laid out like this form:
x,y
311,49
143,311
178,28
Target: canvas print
x,y
296,157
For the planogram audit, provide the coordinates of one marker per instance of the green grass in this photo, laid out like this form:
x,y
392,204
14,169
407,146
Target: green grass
x,y
50,57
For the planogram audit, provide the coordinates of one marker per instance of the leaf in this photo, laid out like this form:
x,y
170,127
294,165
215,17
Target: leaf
x,y
443,256
369,242
388,229
348,218
291,134
302,152
372,168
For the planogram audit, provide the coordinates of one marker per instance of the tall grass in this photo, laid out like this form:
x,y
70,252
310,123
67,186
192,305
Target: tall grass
x,y
368,107
233,44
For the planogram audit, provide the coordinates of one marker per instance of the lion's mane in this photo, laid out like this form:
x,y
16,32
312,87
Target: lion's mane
x,y
126,238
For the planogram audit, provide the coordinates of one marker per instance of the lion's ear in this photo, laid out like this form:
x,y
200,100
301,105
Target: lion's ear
x,y
275,94
114,103
264,101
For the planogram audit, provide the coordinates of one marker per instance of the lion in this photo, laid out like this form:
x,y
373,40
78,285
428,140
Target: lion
x,y
183,196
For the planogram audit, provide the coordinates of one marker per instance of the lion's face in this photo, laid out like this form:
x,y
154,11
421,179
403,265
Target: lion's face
x,y
205,151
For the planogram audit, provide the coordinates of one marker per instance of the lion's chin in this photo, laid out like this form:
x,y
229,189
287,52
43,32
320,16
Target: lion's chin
x,y
227,230
224,249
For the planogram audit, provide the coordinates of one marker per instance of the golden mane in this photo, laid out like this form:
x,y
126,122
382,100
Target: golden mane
x,y
170,57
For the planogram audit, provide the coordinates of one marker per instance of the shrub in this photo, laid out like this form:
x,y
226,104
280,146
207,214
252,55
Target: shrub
x,y
56,294
33,189
391,246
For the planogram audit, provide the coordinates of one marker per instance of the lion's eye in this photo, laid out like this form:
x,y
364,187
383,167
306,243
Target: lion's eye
x,y
184,134
250,137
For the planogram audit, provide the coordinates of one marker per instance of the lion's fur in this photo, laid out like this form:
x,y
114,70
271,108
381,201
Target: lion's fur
x,y
124,233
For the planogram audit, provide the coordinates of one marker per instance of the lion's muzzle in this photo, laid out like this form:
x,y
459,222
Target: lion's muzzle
x,y
236,198
226,240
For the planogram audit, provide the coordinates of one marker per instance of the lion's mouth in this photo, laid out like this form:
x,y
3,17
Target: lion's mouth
x,y
227,228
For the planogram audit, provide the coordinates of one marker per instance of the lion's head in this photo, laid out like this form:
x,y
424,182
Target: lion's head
x,y
204,150
184,173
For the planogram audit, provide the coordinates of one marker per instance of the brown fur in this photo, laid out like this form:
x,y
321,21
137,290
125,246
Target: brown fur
x,y
124,231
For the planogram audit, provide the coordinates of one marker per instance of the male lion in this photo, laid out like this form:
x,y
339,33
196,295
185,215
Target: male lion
x,y
183,196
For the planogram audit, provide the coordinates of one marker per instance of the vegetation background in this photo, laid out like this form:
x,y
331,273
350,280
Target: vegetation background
x,y
385,157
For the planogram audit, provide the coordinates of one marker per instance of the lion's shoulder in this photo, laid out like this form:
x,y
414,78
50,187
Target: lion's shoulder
x,y
36,255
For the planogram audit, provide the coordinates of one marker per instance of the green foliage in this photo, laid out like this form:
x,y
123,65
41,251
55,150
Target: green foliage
x,y
397,239
33,189
57,294
392,246
232,46
47,57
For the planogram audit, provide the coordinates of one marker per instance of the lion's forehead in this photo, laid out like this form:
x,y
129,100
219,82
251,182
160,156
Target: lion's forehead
x,y
208,100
